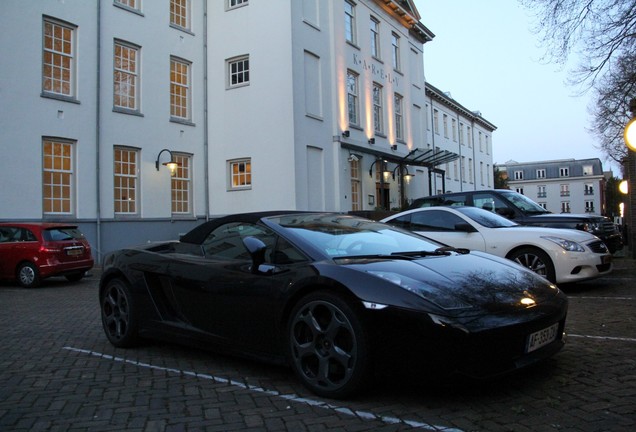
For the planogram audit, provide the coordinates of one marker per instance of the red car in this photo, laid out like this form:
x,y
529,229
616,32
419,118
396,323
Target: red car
x,y
30,252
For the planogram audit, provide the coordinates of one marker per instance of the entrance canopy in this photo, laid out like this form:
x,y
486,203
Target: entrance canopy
x,y
428,158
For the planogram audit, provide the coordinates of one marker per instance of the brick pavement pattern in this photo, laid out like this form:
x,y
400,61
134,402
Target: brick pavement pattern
x,y
59,373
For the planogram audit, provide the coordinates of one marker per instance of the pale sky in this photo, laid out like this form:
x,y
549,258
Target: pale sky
x,y
486,56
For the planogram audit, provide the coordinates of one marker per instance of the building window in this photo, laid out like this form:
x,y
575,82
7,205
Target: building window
x,y
455,169
541,192
57,177
588,170
240,174
126,76
445,124
395,50
589,189
350,22
589,206
519,190
565,190
126,179
374,27
518,175
481,142
378,114
58,58
231,4
488,175
180,13
238,71
487,140
179,89
181,185
481,173
399,116
543,204
463,168
564,172
469,137
130,4
352,97
541,173
454,129
565,207
436,121
356,194
470,170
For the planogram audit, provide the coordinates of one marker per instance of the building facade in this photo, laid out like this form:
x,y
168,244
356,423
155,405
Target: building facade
x,y
261,105
560,186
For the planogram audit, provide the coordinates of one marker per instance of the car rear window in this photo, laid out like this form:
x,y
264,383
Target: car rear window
x,y
60,234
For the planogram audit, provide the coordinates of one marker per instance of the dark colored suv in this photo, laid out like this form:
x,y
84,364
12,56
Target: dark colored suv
x,y
524,211
30,252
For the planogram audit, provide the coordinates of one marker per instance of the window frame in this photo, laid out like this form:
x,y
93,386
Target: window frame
x,y
64,57
353,98
377,96
374,33
134,74
246,174
61,167
356,185
184,15
395,52
185,92
235,4
242,76
130,5
398,112
133,180
350,22
181,186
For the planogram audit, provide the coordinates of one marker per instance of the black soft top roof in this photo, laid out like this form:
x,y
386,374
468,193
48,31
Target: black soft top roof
x,y
199,234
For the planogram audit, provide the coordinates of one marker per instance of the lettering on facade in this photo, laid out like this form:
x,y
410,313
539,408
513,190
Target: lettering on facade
x,y
375,71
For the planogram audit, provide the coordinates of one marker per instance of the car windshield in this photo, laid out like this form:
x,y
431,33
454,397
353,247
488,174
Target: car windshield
x,y
524,203
339,235
486,218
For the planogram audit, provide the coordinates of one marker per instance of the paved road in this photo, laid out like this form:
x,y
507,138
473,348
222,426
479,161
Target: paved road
x,y
58,373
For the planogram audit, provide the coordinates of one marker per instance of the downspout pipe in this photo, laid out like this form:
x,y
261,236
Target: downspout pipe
x,y
206,162
98,209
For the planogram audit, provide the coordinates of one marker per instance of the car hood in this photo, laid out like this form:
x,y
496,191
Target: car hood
x,y
534,231
474,283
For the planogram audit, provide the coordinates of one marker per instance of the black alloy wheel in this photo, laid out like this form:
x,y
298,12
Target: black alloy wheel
x,y
28,275
535,260
119,314
328,346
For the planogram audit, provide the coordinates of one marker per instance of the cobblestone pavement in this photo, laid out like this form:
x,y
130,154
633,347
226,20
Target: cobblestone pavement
x,y
59,373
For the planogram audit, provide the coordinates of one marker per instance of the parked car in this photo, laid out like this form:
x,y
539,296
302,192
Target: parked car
x,y
30,252
560,255
333,296
524,211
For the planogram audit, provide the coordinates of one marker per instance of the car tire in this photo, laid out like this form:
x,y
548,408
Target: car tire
x,y
119,314
28,275
328,345
535,260
74,277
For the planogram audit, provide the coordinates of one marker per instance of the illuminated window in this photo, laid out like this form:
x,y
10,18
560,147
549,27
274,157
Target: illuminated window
x,y
356,195
378,125
58,58
126,76
352,97
374,27
125,182
350,22
238,71
131,4
179,89
57,177
180,13
399,116
181,185
240,174
395,51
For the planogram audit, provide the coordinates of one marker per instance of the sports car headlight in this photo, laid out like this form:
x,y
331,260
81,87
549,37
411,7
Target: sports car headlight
x,y
434,295
567,245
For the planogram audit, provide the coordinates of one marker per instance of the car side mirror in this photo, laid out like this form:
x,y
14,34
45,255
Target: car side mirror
x,y
256,249
465,227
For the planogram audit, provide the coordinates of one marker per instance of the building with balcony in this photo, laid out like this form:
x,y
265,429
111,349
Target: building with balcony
x,y
560,186
256,104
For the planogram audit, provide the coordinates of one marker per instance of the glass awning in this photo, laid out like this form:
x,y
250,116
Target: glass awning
x,y
428,158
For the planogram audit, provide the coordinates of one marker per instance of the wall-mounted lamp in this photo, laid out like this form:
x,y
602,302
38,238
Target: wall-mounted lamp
x,y
394,147
345,134
171,164
404,170
385,169
372,140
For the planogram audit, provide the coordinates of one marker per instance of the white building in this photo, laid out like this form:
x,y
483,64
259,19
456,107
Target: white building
x,y
264,104
560,186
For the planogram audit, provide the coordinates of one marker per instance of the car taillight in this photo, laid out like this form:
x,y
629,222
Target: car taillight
x,y
49,249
